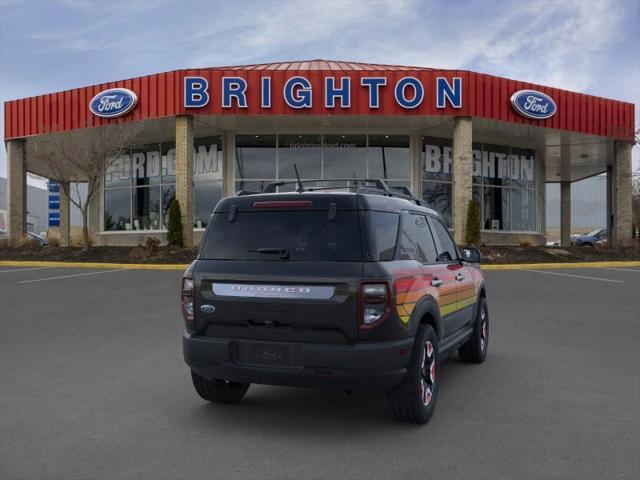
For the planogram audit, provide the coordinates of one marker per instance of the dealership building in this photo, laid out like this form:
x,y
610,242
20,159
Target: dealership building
x,y
449,135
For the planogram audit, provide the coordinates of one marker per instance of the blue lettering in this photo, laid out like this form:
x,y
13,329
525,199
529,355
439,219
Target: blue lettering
x,y
374,84
266,92
400,92
297,92
196,93
445,92
331,92
234,87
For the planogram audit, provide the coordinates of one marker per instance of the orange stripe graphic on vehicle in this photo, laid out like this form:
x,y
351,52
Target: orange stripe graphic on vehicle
x,y
411,286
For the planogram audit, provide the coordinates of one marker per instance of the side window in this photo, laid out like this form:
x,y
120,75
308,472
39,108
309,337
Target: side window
x,y
446,249
425,246
406,240
382,236
415,241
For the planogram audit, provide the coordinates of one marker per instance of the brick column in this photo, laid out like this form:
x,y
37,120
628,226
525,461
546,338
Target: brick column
x,y
16,191
565,213
65,218
184,174
462,175
621,185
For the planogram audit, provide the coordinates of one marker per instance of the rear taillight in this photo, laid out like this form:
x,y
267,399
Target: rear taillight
x,y
374,302
186,301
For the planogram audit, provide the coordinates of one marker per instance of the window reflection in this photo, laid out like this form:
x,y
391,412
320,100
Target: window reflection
x,y
146,208
438,196
496,208
117,203
503,183
303,150
388,156
255,156
344,156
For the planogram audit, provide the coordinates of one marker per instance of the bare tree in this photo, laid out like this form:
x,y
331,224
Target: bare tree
x,y
82,156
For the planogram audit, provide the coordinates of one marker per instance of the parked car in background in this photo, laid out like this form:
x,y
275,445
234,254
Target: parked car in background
x,y
41,239
591,239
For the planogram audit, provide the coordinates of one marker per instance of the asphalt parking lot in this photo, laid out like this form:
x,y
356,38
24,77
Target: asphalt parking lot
x,y
93,386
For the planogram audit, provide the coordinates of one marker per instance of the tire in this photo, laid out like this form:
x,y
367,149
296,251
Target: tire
x,y
475,349
219,391
415,399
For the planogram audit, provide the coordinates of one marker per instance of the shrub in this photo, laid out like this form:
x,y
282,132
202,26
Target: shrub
x,y
174,226
54,242
152,246
29,244
472,235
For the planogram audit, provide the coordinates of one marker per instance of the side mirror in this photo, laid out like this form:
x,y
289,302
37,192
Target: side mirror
x,y
471,255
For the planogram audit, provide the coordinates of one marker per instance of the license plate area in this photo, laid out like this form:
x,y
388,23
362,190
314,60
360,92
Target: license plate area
x,y
267,354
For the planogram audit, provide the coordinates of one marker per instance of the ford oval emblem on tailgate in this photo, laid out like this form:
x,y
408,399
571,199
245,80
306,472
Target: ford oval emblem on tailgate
x,y
207,308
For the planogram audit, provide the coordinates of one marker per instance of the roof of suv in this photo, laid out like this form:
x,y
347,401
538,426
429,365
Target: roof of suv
x,y
344,200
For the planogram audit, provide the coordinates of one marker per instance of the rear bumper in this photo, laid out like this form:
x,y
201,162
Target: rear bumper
x,y
367,366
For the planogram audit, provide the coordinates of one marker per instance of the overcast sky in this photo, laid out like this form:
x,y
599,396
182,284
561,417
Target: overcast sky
x,y
581,45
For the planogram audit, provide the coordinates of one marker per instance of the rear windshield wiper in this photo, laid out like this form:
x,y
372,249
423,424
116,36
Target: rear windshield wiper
x,y
283,252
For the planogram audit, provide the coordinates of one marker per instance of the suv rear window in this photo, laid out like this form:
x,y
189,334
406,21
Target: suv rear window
x,y
303,235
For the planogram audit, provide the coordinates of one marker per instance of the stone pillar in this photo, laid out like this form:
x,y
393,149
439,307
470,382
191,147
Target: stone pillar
x,y
462,175
184,175
415,147
621,184
16,191
65,218
610,202
565,213
228,164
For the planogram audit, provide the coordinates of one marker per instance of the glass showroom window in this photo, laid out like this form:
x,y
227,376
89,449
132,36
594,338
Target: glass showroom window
x,y
503,183
303,150
207,178
140,185
344,156
255,161
326,157
117,194
495,181
168,170
437,175
506,175
145,193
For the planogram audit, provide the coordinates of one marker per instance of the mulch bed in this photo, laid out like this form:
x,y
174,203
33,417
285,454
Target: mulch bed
x,y
162,255
502,254
100,254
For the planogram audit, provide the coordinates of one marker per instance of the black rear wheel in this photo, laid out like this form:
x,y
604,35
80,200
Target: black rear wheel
x,y
475,349
219,391
415,399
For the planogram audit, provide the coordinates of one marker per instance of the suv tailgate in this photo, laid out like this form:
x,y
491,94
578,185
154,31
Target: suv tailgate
x,y
277,300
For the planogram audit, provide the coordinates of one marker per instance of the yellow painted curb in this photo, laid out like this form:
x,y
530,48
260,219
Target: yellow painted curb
x,y
130,266
549,266
181,266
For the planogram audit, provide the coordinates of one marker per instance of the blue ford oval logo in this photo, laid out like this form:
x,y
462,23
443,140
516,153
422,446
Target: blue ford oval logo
x,y
533,104
114,102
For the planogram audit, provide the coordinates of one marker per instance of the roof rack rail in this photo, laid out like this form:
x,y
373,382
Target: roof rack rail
x,y
373,186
